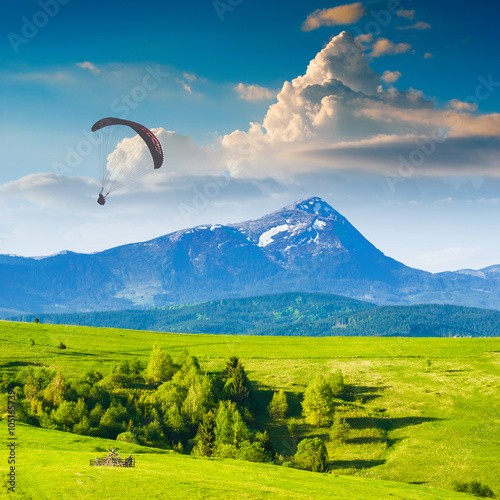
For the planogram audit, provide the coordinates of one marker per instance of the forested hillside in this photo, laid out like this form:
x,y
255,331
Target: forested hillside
x,y
302,314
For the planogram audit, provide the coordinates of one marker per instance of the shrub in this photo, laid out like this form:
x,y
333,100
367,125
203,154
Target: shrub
x,y
62,345
312,455
253,452
127,437
474,488
339,429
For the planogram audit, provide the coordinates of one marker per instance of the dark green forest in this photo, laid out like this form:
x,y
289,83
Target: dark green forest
x,y
297,314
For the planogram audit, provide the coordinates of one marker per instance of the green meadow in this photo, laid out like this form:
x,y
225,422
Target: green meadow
x,y
426,412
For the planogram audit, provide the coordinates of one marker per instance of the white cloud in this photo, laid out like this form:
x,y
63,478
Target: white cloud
x,y
336,116
391,76
461,106
88,65
428,55
343,14
253,92
408,14
417,26
383,47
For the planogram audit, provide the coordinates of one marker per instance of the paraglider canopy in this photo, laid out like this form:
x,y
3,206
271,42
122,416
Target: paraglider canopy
x,y
127,151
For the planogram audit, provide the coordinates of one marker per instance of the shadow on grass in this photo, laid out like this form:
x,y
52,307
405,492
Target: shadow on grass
x,y
77,354
356,464
366,440
15,364
387,423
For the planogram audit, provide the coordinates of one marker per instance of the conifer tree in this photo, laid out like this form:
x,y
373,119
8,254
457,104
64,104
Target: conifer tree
x,y
240,387
278,407
267,445
205,437
230,367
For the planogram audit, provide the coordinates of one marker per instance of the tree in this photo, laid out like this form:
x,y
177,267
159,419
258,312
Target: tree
x,y
66,414
230,428
267,445
312,455
337,383
31,388
198,399
240,385
205,437
113,420
160,367
292,427
230,367
56,391
318,401
278,407
339,429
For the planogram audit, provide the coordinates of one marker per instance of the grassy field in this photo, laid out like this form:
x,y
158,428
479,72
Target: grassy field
x,y
427,412
55,465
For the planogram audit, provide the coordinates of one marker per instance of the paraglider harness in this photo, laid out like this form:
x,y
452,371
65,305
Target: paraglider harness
x,y
102,199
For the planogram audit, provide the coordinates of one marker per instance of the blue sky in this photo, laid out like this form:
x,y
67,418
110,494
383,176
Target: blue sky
x,y
355,137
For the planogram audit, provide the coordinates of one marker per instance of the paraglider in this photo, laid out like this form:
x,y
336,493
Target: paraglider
x,y
127,151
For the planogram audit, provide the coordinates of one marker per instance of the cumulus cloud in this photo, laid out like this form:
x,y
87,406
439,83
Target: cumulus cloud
x,y
383,47
88,65
343,14
390,76
337,116
417,26
428,55
253,92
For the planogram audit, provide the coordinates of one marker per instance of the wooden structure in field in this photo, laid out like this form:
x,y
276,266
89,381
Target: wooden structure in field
x,y
112,459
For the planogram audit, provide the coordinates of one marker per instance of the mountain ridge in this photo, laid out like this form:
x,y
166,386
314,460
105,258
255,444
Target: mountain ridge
x,y
305,247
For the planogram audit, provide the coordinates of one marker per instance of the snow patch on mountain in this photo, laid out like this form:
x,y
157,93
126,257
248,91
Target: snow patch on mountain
x,y
267,237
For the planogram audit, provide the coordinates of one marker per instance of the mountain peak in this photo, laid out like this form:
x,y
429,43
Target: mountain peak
x,y
314,205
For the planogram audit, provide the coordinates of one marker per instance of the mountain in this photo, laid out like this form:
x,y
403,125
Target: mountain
x,y
304,247
290,314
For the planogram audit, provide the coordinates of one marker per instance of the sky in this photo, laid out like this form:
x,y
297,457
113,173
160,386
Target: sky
x,y
388,110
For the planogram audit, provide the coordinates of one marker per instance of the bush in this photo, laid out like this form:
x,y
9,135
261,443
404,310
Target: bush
x,y
312,455
62,345
127,437
474,488
253,452
339,429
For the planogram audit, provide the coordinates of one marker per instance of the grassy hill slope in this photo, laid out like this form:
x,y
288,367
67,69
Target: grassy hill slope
x,y
55,465
438,397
